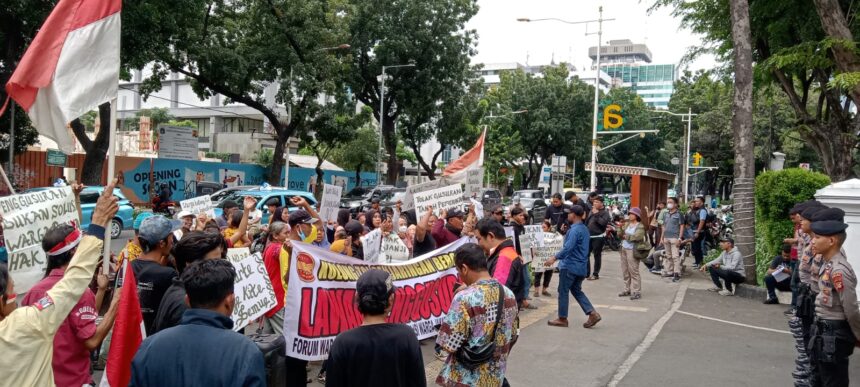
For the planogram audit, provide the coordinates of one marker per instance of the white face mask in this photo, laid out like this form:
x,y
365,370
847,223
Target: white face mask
x,y
403,229
670,206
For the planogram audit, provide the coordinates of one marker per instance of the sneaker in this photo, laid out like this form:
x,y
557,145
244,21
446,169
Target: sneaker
x,y
771,301
726,293
546,293
715,290
635,296
676,278
790,311
696,266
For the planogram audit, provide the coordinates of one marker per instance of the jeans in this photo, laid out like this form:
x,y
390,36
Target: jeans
x,y
569,282
698,243
795,282
729,277
772,286
527,281
596,245
547,277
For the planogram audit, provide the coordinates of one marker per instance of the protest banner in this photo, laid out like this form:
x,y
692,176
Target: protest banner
x,y
26,219
474,182
442,198
408,200
393,249
322,294
198,205
531,238
253,290
371,244
330,202
552,244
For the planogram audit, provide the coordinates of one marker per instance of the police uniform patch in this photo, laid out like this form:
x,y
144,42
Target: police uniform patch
x,y
837,282
44,302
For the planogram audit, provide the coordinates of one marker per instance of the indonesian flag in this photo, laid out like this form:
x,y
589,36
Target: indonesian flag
x,y
71,67
128,333
473,158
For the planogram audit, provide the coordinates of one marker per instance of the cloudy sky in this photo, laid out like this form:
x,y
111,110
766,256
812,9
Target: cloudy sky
x,y
502,39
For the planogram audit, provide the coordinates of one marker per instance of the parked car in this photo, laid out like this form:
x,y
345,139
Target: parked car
x,y
490,198
532,200
387,198
356,204
262,197
123,220
219,195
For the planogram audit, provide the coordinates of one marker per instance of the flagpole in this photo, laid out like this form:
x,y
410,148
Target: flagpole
x,y
110,176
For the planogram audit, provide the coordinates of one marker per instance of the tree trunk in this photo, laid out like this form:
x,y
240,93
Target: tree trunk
x,y
281,149
96,149
742,127
318,190
834,24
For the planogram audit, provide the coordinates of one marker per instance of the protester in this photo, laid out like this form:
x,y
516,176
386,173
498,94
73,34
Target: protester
x,y
237,231
342,242
374,204
376,353
572,270
478,315
662,210
272,206
27,333
571,199
151,270
132,249
203,350
518,220
373,219
555,211
597,222
448,231
391,238
546,273
498,214
276,269
729,267
673,235
187,223
696,220
227,207
424,242
78,334
354,230
504,264
634,244
195,246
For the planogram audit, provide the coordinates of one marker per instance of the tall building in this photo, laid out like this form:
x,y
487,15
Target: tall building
x,y
629,65
491,73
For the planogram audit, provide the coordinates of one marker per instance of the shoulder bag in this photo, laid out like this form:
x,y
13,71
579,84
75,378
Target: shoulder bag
x,y
473,356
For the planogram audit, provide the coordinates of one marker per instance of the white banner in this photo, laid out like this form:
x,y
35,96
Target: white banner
x,y
393,249
530,239
198,205
408,201
330,202
253,290
321,296
442,198
474,182
371,244
26,219
552,244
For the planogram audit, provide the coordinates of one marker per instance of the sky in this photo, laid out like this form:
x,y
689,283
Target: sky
x,y
502,39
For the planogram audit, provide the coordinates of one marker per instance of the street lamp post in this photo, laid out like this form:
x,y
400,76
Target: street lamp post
x,y
688,117
382,118
599,33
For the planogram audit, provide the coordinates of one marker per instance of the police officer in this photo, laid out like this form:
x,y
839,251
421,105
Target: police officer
x,y
837,323
804,374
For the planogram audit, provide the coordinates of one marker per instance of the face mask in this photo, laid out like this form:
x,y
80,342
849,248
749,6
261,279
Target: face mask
x,y
670,206
403,229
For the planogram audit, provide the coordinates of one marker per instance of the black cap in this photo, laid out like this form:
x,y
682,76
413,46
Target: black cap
x,y
353,227
376,284
273,202
835,214
301,216
455,213
810,211
828,227
229,204
575,209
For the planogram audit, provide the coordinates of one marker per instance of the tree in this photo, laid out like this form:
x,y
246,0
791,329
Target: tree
x,y
356,155
96,148
429,34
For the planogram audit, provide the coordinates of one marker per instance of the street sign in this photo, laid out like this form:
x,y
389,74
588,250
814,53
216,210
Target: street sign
x,y
178,143
609,117
56,158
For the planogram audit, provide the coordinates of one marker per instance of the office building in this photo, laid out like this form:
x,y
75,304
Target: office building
x,y
629,65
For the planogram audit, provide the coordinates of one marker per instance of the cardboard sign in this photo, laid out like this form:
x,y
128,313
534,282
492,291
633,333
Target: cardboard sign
x,y
530,239
552,244
371,243
442,198
393,249
474,182
253,290
198,205
479,208
26,219
330,202
408,199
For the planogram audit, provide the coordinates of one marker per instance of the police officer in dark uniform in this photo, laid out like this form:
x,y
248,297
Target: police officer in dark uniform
x,y
837,322
804,374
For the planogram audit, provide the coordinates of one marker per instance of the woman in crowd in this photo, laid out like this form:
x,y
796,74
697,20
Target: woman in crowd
x,y
633,243
542,272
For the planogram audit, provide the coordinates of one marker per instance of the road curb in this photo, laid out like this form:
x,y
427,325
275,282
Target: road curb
x,y
751,292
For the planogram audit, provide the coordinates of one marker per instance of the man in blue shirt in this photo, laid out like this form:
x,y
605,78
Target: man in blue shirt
x,y
573,268
203,350
696,221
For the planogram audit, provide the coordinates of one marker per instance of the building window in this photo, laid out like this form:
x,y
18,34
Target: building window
x,y
446,154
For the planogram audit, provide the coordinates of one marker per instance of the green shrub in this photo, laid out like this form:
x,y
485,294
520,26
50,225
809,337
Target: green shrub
x,y
775,193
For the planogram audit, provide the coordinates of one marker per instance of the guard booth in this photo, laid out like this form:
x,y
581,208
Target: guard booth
x,y
647,186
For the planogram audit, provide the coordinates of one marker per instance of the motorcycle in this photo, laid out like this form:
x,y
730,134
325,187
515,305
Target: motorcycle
x,y
611,239
163,206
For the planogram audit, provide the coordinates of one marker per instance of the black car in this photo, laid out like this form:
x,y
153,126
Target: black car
x,y
490,198
387,198
532,200
360,197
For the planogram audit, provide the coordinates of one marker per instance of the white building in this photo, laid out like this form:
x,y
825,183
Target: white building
x,y
491,73
629,66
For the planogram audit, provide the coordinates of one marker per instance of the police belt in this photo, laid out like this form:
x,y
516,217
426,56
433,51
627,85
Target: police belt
x,y
806,302
826,326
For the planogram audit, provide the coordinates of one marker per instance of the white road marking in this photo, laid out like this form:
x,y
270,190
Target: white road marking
x,y
733,323
637,353
621,307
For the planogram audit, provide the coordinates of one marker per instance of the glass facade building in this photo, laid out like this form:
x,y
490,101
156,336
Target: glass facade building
x,y
654,83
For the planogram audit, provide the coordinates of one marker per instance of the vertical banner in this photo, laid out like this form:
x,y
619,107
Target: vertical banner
x,y
552,243
330,202
253,290
198,205
371,244
474,182
322,293
26,219
442,198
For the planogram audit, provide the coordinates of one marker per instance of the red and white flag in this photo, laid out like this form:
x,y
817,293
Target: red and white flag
x,y
71,67
473,158
128,333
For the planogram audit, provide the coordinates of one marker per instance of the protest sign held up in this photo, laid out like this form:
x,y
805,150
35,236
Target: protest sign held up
x,y
411,190
531,239
198,205
253,290
26,219
552,244
330,202
372,245
441,198
474,182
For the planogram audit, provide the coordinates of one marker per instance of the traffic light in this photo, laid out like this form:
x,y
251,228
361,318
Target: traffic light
x,y
697,159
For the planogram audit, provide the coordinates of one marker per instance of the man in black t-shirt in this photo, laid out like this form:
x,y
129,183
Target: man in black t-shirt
x,y
424,242
555,212
151,272
779,268
377,353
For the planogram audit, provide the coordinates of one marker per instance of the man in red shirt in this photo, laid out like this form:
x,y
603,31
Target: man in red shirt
x,y
447,231
78,334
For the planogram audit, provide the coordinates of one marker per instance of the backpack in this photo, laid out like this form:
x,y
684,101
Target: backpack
x,y
711,218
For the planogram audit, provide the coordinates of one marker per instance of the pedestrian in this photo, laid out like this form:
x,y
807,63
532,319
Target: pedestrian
x,y
203,350
518,221
504,264
633,244
555,211
837,327
194,246
498,214
572,270
132,249
796,251
152,270
728,267
696,221
662,210
481,325
544,273
227,211
78,335
778,275
448,228
424,242
27,333
597,222
367,355
673,236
